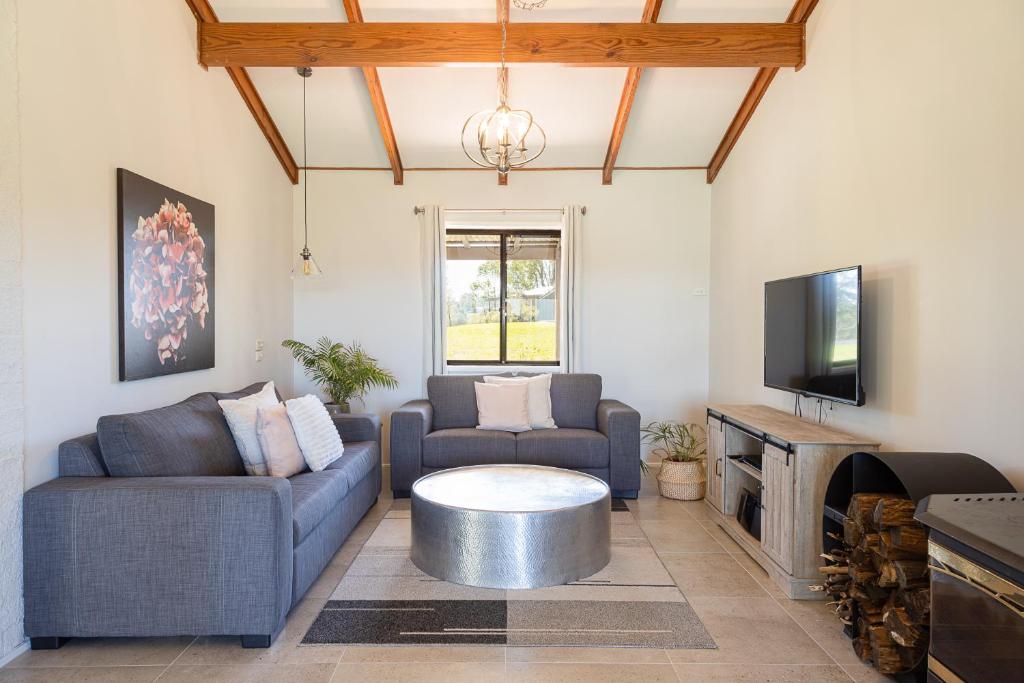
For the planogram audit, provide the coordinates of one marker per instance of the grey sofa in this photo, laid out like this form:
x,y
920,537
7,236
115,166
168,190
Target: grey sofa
x,y
596,436
153,529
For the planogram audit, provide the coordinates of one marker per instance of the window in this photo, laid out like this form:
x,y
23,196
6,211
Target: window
x,y
502,296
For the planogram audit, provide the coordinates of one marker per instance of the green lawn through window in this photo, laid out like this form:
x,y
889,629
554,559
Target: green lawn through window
x,y
527,341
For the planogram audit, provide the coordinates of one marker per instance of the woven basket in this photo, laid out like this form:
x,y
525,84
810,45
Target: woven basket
x,y
681,480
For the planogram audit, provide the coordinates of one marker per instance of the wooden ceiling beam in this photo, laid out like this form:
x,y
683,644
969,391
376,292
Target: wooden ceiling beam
x,y
652,9
798,16
431,44
380,107
205,16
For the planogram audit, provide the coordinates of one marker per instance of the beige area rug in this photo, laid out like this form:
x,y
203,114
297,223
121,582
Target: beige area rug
x,y
384,599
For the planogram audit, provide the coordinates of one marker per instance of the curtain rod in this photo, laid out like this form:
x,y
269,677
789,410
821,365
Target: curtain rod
x,y
417,210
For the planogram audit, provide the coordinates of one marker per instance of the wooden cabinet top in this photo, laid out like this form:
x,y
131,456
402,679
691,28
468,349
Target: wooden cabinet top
x,y
786,427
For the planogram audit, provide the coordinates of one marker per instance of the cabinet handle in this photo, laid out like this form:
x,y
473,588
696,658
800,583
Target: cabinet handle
x,y
718,464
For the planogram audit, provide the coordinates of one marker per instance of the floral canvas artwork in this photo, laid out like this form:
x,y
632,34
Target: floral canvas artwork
x,y
166,250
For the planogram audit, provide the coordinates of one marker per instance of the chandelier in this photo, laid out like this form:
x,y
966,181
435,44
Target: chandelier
x,y
502,138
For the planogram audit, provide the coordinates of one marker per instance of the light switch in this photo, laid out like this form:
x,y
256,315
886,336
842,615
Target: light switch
x,y
700,291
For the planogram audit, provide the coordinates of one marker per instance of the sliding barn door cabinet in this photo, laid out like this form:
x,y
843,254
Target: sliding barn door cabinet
x,y
767,472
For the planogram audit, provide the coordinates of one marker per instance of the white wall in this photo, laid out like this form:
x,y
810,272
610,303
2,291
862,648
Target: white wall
x,y
11,346
112,84
645,241
898,147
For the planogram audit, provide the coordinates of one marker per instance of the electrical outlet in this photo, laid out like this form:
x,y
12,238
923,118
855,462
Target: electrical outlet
x,y
259,356
259,344
700,291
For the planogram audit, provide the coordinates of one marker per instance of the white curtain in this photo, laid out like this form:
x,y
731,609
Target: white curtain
x,y
571,294
432,248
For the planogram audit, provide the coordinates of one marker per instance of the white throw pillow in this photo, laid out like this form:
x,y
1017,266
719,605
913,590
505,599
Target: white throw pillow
x,y
315,431
502,407
241,417
538,397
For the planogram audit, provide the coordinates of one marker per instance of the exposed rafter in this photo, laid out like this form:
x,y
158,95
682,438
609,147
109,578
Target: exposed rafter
x,y
380,107
652,9
798,16
427,44
205,16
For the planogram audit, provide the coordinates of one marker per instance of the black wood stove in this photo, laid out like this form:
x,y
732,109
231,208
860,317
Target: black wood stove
x,y
976,557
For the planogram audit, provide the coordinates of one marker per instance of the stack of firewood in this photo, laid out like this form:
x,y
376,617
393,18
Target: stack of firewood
x,y
877,579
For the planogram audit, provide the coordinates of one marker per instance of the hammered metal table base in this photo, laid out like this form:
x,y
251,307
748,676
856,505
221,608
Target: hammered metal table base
x,y
510,526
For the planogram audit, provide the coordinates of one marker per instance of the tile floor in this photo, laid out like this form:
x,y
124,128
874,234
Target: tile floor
x,y
761,635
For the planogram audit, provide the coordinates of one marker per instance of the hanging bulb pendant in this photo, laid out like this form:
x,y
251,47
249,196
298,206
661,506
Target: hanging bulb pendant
x,y
305,265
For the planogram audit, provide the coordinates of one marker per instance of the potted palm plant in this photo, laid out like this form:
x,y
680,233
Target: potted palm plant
x,y
681,445
344,372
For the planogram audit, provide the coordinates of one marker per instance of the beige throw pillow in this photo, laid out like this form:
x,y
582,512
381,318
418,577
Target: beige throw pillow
x,y
277,439
241,418
502,407
538,397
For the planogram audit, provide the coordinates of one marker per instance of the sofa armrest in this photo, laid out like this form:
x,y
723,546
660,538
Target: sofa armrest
x,y
409,425
157,556
358,427
621,424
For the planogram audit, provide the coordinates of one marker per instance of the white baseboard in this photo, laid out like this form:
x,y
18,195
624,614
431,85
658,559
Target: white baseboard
x,y
13,654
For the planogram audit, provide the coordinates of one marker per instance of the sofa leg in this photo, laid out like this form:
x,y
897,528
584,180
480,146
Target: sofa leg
x,y
398,493
630,495
47,643
256,641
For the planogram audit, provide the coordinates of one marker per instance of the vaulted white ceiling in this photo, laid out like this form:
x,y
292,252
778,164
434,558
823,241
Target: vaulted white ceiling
x,y
678,117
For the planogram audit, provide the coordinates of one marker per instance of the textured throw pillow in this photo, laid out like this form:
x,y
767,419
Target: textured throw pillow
x,y
315,431
502,407
241,417
277,441
538,397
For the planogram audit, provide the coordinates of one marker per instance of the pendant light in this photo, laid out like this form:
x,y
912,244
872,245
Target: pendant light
x,y
503,138
305,265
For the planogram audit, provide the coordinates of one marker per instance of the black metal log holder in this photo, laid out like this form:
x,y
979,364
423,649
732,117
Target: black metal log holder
x,y
915,475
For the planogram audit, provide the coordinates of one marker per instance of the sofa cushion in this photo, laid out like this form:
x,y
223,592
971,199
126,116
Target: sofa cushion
x,y
190,438
314,495
453,398
563,447
574,400
359,459
243,392
467,446
80,457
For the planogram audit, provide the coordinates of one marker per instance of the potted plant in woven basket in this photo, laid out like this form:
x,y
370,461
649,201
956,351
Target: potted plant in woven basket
x,y
681,446
344,372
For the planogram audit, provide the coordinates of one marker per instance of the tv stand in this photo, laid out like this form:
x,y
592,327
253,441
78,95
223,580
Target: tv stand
x,y
797,459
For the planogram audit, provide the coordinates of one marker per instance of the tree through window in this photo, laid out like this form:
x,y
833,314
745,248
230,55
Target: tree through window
x,y
502,297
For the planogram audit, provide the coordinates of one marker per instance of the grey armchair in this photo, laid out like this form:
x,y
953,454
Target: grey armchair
x,y
599,437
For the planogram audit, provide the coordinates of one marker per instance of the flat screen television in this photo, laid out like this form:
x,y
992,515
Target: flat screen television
x,y
812,343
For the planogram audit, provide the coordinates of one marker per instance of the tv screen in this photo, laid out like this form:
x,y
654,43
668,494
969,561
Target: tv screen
x,y
812,335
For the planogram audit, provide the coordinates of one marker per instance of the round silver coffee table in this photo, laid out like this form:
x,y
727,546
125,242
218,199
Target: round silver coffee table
x,y
510,526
